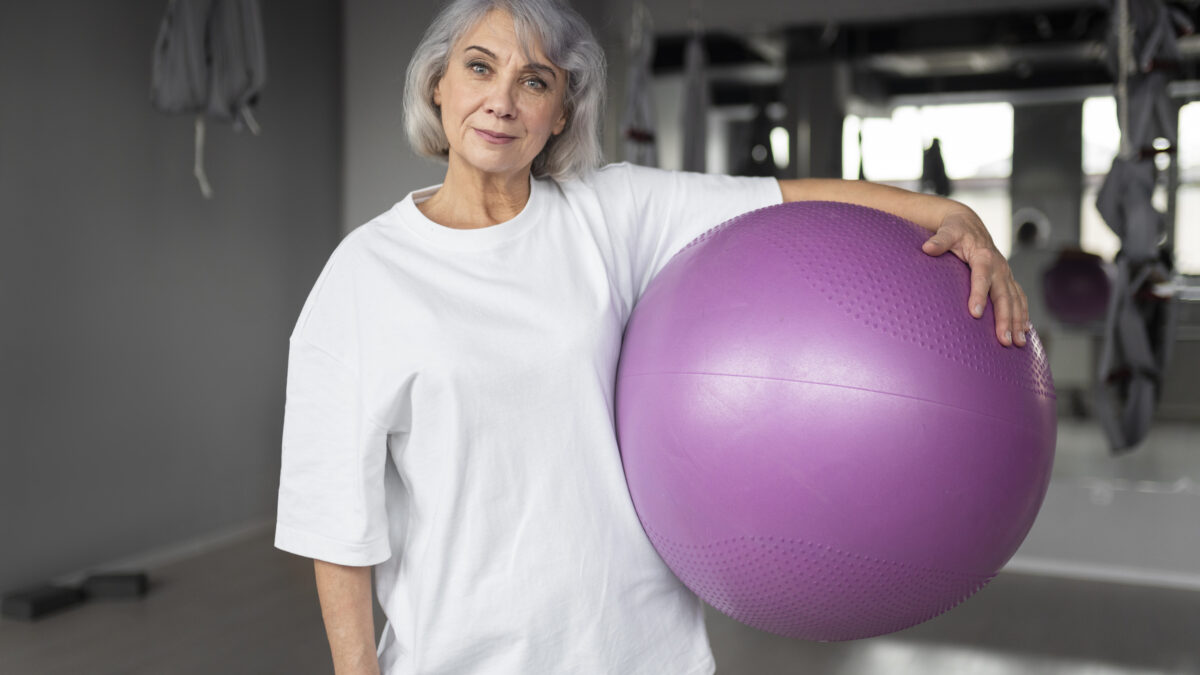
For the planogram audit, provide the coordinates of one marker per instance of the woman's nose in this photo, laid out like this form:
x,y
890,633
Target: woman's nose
x,y
500,101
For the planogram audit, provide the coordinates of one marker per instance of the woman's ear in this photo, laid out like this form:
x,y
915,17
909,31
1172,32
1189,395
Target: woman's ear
x,y
437,94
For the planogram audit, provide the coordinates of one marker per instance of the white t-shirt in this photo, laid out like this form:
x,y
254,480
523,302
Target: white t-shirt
x,y
450,420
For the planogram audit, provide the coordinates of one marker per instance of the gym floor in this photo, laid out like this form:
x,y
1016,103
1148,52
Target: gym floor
x,y
248,608
245,607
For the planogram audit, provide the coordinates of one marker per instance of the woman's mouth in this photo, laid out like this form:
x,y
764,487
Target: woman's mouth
x,y
495,137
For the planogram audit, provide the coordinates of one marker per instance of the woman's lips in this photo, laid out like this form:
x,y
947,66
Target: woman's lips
x,y
493,137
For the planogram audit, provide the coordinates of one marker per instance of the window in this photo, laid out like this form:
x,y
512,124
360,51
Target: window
x,y
976,141
1187,200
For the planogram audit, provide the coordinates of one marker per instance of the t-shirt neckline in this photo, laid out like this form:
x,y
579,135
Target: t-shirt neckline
x,y
473,239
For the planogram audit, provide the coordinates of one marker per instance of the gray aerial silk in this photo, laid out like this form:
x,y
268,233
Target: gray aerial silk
x,y
1140,325
209,61
640,146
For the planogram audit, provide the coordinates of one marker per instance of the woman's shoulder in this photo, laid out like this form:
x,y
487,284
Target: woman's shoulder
x,y
384,229
617,176
356,242
364,248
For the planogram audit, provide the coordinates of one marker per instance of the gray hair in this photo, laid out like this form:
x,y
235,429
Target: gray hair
x,y
566,40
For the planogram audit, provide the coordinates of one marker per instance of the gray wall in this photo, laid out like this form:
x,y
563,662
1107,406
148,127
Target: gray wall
x,y
380,167
143,329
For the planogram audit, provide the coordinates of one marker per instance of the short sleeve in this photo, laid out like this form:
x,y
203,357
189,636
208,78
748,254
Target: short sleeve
x,y
331,482
661,211
331,485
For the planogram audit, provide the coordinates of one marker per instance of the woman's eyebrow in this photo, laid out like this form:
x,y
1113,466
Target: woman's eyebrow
x,y
540,67
488,52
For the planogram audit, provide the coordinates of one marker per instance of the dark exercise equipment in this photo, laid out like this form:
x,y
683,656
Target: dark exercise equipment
x,y
117,585
36,602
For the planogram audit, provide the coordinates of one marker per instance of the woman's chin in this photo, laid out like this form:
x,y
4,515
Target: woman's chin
x,y
495,165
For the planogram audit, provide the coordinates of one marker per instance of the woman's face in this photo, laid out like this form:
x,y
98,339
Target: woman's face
x,y
498,107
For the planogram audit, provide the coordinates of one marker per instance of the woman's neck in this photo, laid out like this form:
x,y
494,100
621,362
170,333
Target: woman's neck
x,y
470,200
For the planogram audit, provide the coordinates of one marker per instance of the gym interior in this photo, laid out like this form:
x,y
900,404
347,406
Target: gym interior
x,y
144,324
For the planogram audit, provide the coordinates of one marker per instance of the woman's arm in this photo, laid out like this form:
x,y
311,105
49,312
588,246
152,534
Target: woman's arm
x,y
956,228
345,594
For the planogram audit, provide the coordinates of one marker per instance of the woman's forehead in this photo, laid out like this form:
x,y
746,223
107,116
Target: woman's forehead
x,y
497,33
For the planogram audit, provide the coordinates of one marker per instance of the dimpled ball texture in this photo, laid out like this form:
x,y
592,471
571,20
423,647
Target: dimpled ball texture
x,y
819,440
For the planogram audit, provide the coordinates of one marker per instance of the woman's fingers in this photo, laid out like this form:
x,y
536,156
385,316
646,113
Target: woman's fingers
x,y
990,276
1002,304
937,244
1011,309
981,286
1021,318
1014,319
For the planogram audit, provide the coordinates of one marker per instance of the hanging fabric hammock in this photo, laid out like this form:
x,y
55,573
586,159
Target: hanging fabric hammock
x,y
638,125
1140,324
209,61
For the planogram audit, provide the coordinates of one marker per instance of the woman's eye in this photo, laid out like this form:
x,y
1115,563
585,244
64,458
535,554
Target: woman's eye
x,y
536,83
477,68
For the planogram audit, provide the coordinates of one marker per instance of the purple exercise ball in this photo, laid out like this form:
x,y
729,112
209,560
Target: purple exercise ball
x,y
1077,288
818,438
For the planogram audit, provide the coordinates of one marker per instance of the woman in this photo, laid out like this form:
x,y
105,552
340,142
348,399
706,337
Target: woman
x,y
450,388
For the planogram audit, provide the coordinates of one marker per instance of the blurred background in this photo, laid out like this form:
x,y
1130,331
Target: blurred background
x,y
143,326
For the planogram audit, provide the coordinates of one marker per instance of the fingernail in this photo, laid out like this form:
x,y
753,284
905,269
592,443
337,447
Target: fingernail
x,y
978,309
1008,336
